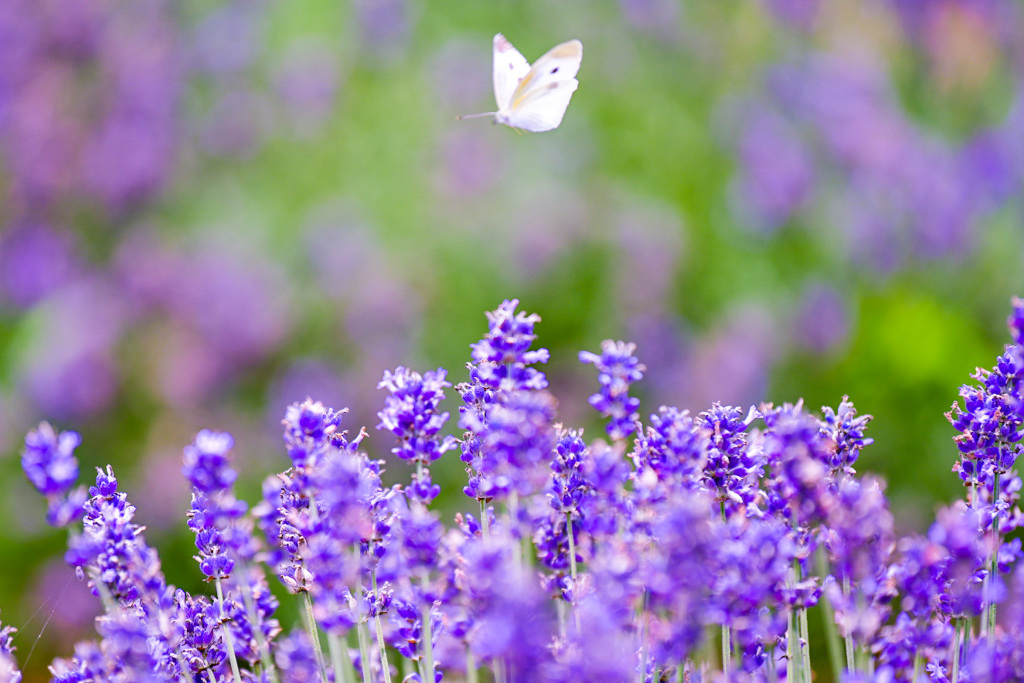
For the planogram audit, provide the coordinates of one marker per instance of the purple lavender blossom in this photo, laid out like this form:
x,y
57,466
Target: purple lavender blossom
x,y
568,491
617,368
9,672
958,529
505,389
732,471
411,414
206,462
846,430
49,462
35,260
749,574
514,621
861,540
504,354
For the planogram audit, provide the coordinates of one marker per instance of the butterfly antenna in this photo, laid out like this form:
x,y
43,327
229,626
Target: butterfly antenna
x,y
475,116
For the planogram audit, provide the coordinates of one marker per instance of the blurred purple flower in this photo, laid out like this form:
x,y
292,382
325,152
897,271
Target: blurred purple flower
x,y
35,260
661,18
70,370
384,27
822,323
650,245
306,82
235,124
797,13
229,38
777,172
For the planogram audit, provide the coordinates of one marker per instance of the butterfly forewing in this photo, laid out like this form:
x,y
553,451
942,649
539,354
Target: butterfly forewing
x,y
510,67
560,63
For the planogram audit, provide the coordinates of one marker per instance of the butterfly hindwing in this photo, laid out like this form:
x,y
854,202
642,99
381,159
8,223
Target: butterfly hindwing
x,y
542,108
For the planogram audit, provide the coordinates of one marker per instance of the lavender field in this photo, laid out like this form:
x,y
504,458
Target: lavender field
x,y
801,219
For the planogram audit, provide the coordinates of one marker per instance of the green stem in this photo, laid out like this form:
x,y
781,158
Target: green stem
x,y
314,634
572,571
485,524
956,650
791,646
828,618
994,564
380,634
726,650
266,660
341,672
851,664
428,644
228,640
805,642
364,650
471,676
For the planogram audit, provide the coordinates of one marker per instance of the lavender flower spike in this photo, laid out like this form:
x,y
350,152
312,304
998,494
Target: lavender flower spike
x,y
411,414
617,369
49,463
9,672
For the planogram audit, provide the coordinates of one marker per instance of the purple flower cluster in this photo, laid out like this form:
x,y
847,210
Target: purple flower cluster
x,y
827,130
713,533
617,368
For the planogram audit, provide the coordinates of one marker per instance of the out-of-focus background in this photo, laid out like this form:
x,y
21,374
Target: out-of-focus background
x,y
211,210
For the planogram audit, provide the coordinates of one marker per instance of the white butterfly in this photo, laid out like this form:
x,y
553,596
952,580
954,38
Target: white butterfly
x,y
533,98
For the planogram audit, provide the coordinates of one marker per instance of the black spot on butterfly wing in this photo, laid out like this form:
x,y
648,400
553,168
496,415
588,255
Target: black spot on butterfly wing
x,y
555,70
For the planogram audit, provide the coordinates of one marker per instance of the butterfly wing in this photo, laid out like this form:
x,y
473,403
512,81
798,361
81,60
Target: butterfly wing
x,y
540,99
510,67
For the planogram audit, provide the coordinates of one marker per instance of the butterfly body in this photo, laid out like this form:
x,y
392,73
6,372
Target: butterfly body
x,y
534,98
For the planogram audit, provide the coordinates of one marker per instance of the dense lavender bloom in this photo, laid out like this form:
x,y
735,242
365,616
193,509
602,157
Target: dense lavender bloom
x,y
9,672
505,350
126,643
751,566
513,618
295,655
568,490
206,462
617,368
88,664
860,540
501,371
846,429
568,484
122,566
674,448
798,452
287,513
311,431
958,529
600,651
515,441
678,574
732,469
49,462
1016,320
411,414
202,646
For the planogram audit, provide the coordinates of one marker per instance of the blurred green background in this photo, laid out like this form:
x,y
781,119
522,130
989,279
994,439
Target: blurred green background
x,y
211,210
